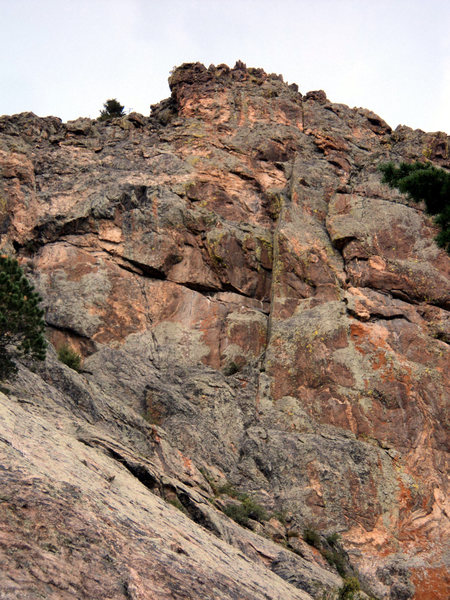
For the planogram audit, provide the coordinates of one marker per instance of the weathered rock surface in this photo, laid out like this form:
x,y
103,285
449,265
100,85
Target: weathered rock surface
x,y
254,307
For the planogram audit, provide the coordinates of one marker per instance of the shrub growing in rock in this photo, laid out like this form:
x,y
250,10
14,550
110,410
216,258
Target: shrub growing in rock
x,y
69,357
333,539
336,559
238,513
247,509
21,320
424,182
349,589
312,538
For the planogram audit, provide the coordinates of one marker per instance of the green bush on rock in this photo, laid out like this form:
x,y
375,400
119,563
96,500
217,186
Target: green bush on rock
x,y
348,590
424,182
247,509
312,538
69,357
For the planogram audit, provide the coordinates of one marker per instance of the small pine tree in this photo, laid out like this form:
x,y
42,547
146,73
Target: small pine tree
x,y
21,323
424,182
111,109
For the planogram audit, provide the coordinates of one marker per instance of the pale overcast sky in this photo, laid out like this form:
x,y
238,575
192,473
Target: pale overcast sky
x,y
66,57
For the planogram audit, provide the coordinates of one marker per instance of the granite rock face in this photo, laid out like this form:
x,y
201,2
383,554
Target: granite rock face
x,y
257,313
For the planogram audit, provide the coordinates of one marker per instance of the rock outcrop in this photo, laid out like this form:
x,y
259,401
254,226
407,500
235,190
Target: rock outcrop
x,y
257,314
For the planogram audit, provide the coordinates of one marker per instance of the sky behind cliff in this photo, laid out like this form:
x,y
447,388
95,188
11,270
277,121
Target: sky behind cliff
x,y
66,57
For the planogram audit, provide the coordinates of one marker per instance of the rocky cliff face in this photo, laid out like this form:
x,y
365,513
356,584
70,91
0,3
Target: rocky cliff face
x,y
257,313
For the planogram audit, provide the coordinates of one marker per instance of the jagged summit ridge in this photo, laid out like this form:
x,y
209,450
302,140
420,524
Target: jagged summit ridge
x,y
197,73
255,310
213,79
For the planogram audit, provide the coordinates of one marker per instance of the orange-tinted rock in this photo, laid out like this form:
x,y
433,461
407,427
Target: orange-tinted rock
x,y
233,268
